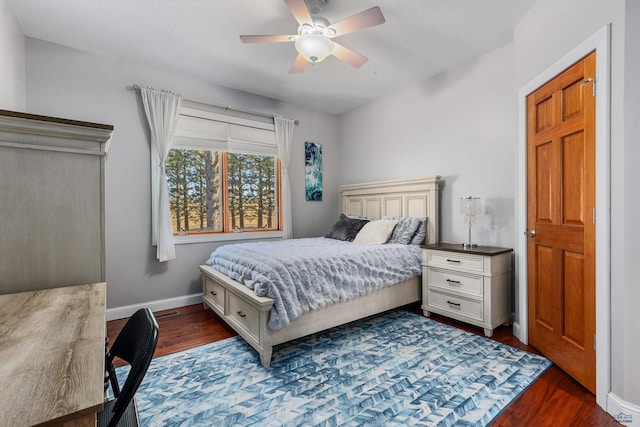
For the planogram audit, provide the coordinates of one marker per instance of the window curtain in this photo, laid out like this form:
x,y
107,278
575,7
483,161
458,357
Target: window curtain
x,y
284,138
161,108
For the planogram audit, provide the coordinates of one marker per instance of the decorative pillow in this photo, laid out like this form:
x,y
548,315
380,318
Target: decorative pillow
x,y
359,217
346,228
404,231
421,232
376,232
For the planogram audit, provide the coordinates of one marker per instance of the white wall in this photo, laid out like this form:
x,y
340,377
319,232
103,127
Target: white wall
x,y
72,84
12,60
460,124
627,291
550,30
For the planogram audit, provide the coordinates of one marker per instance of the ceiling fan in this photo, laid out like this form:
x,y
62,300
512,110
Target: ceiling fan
x,y
314,41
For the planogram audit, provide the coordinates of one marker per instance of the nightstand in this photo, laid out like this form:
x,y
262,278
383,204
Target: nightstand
x,y
470,285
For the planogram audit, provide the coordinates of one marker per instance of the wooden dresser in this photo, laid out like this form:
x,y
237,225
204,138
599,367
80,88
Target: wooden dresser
x,y
51,201
470,285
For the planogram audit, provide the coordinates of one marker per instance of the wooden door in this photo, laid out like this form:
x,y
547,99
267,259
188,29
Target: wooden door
x,y
561,220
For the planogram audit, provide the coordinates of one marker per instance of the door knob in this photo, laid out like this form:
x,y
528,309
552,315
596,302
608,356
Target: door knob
x,y
530,233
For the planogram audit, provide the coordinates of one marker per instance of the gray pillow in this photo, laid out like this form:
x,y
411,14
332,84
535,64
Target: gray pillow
x,y
421,232
404,231
346,228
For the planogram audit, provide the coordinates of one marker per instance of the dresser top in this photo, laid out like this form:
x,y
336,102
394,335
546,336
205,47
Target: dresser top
x,y
477,250
39,118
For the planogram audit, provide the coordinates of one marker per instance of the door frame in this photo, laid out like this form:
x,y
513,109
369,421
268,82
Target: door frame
x,y
600,42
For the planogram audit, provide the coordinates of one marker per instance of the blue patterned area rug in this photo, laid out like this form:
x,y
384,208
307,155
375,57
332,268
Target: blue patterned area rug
x,y
395,369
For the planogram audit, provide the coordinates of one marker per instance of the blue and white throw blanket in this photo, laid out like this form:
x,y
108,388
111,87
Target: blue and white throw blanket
x,y
301,275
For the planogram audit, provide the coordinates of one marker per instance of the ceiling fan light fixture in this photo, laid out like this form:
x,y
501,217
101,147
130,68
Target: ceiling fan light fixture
x,y
314,41
329,32
314,47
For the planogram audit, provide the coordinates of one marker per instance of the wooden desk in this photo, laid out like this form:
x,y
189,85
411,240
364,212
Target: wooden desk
x,y
52,356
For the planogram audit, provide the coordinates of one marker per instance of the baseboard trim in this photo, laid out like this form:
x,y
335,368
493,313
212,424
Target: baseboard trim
x,y
516,331
623,412
158,305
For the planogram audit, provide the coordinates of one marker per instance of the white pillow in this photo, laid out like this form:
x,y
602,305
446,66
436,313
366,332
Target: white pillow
x,y
376,232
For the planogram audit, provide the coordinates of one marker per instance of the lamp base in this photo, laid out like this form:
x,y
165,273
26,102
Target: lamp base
x,y
469,245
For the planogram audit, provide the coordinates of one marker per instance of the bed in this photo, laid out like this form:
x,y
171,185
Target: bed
x,y
249,314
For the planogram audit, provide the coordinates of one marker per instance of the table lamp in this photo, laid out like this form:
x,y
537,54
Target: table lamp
x,y
470,208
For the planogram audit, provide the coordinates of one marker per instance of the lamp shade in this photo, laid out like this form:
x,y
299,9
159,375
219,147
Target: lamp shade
x,y
314,47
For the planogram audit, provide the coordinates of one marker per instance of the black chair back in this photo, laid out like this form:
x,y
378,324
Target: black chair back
x,y
135,344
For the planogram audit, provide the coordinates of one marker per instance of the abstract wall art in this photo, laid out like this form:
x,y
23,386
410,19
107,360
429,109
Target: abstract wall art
x,y
313,171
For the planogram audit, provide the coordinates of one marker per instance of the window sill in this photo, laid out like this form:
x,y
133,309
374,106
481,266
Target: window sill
x,y
226,237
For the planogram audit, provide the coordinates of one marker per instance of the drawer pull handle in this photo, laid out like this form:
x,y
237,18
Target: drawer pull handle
x,y
241,314
214,293
455,304
453,260
453,282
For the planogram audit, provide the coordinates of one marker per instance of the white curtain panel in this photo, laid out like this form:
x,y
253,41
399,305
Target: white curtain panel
x,y
284,139
162,108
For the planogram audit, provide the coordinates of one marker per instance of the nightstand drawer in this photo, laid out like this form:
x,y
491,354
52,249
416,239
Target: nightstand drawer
x,y
455,260
214,293
455,282
455,304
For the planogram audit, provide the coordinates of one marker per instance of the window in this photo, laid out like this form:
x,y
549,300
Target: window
x,y
224,178
205,199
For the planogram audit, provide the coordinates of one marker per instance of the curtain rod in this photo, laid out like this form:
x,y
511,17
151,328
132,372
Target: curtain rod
x,y
222,106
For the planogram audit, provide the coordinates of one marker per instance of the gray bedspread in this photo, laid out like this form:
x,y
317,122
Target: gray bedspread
x,y
307,274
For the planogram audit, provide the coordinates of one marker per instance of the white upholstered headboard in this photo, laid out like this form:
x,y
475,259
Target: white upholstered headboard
x,y
404,197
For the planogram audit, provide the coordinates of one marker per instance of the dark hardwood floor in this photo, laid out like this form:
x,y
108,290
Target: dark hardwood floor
x,y
553,400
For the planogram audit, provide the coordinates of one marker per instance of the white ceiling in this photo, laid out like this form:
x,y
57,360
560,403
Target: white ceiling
x,y
419,39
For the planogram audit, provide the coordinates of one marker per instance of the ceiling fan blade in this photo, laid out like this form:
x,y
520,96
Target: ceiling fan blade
x,y
299,11
298,65
266,39
349,56
359,21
